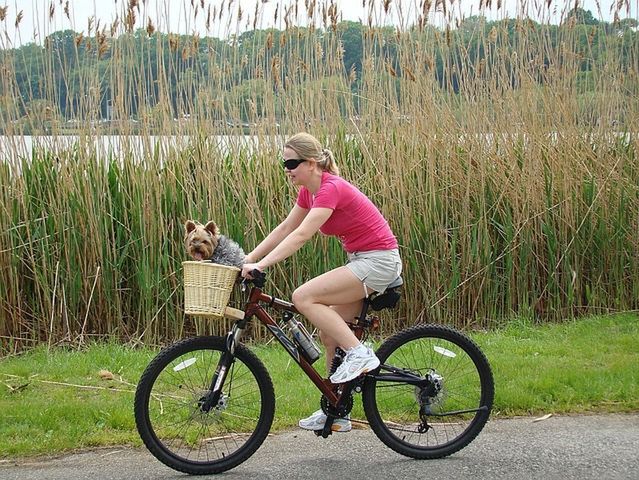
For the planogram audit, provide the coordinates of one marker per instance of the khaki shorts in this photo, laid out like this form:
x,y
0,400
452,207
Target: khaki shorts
x,y
376,269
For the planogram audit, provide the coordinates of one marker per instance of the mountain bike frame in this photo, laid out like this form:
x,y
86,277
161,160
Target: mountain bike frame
x,y
336,394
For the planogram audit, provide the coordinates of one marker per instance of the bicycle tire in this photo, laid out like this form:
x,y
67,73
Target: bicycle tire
x,y
176,430
466,382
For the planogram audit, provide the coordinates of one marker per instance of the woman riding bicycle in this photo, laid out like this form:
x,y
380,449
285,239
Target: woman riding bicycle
x,y
329,204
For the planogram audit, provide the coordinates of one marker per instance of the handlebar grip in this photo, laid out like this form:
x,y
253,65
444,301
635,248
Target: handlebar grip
x,y
259,278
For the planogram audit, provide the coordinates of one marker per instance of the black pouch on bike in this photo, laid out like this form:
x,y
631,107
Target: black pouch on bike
x,y
386,300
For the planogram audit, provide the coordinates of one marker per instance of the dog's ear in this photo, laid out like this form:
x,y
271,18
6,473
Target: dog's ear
x,y
212,228
189,226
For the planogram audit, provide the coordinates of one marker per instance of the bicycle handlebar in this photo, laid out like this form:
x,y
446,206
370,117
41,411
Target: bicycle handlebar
x,y
259,278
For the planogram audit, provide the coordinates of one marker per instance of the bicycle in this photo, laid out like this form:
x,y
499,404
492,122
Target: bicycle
x,y
205,404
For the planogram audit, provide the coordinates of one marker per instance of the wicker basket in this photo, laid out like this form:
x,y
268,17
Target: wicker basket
x,y
207,288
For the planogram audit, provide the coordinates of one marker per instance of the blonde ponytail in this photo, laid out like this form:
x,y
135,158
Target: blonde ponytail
x,y
328,162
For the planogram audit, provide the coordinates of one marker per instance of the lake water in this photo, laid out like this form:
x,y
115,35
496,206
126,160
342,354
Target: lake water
x,y
15,148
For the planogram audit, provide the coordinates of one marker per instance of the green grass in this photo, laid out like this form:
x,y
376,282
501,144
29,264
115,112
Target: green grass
x,y
586,365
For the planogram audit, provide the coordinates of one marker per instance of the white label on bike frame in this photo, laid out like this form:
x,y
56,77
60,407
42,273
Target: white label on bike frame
x,y
444,352
184,364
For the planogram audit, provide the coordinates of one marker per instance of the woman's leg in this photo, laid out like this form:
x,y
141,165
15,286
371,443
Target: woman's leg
x,y
348,312
339,288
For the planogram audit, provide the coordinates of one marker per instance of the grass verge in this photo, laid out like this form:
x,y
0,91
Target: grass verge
x,y
64,399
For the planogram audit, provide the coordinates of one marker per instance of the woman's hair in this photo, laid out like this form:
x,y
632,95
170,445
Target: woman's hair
x,y
307,146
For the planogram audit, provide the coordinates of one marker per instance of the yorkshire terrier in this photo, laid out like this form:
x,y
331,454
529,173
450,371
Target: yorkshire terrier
x,y
204,242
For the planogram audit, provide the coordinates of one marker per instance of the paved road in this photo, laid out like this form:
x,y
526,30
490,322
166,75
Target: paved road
x,y
566,447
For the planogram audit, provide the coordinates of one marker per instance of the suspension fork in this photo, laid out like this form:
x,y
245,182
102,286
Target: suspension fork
x,y
223,367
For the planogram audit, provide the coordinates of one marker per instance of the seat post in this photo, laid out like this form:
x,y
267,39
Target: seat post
x,y
365,305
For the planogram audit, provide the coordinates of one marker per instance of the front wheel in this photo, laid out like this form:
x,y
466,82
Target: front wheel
x,y
433,393
187,433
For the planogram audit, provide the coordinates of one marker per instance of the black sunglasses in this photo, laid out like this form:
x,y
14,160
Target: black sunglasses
x,y
292,163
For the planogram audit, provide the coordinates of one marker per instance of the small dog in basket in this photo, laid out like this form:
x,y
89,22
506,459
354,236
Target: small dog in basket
x,y
204,242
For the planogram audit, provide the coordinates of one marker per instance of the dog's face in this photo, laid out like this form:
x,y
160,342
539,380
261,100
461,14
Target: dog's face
x,y
200,240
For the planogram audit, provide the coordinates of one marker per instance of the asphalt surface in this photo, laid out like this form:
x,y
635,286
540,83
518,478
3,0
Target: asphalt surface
x,y
560,447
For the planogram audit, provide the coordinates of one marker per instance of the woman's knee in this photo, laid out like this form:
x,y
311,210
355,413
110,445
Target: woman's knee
x,y
301,297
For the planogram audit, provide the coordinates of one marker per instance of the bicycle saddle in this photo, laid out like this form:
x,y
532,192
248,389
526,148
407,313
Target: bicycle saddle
x,y
389,298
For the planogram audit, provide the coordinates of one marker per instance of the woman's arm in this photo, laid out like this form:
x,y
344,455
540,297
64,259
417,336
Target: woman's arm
x,y
279,233
293,241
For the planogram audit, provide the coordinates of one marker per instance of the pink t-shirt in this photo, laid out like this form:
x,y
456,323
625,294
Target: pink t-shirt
x,y
355,220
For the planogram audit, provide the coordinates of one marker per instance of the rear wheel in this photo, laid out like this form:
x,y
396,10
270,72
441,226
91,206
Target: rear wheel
x,y
450,405
187,436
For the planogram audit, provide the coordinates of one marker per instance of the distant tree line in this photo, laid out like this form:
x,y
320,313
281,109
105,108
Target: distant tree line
x,y
152,68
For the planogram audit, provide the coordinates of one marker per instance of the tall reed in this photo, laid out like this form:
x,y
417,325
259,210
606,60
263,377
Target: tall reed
x,y
502,153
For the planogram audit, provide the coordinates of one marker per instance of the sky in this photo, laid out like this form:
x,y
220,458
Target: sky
x,y
178,16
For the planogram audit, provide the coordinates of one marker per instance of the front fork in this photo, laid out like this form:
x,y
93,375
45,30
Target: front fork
x,y
212,398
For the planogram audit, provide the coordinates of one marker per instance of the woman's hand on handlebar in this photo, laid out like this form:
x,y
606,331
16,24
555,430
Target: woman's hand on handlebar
x,y
248,268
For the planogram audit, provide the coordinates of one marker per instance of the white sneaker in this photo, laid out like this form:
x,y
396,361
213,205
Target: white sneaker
x,y
358,360
318,419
